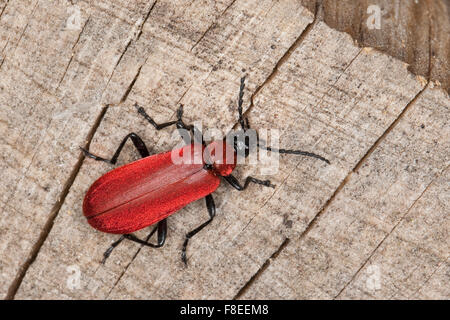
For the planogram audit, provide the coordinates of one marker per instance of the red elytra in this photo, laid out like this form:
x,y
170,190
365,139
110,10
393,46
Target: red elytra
x,y
146,191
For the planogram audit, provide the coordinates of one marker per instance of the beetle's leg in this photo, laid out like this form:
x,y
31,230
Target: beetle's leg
x,y
162,233
191,128
137,141
142,112
107,253
179,124
111,248
212,212
235,183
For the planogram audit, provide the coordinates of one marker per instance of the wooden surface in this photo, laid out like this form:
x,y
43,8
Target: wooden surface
x,y
373,224
414,31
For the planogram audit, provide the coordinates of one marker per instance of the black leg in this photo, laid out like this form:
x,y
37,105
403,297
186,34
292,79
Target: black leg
x,y
162,232
107,253
179,124
198,136
235,183
142,112
212,212
137,141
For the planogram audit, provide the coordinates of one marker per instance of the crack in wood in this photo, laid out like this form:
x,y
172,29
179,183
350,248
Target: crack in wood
x,y
298,163
389,233
3,10
127,92
124,271
429,41
130,41
141,28
81,31
15,285
23,32
12,290
73,54
280,62
7,41
272,75
354,170
212,26
389,129
411,296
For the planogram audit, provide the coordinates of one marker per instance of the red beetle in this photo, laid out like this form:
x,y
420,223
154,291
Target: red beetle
x,y
145,192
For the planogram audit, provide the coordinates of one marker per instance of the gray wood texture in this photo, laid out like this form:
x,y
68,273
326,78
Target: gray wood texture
x,y
373,224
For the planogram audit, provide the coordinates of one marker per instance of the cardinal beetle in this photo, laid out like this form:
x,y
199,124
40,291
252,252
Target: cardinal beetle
x,y
147,191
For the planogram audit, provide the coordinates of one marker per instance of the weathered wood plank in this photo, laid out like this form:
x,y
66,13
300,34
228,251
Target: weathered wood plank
x,y
207,73
242,239
50,99
403,265
414,31
321,90
386,231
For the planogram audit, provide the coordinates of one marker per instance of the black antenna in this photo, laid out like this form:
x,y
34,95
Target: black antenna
x,y
240,101
244,125
296,152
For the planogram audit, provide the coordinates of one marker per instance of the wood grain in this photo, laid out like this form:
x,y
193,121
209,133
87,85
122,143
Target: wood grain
x,y
414,31
373,224
381,237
